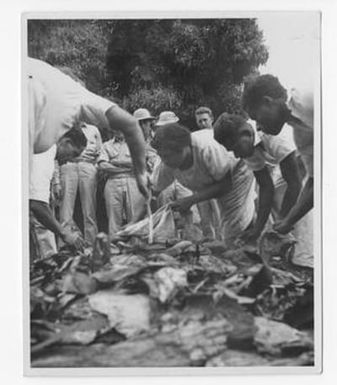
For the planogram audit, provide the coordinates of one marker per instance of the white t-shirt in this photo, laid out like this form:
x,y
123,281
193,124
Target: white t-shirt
x,y
41,174
301,104
56,101
271,150
211,163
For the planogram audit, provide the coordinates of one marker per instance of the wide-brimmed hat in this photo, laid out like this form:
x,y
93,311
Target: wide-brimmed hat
x,y
167,117
143,114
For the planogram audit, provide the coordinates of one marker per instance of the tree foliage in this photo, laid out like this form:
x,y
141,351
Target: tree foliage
x,y
79,45
167,64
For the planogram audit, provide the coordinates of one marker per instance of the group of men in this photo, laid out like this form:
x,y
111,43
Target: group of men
x,y
210,171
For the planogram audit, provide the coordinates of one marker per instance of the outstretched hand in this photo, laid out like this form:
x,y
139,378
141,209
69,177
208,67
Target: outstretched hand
x,y
73,238
182,205
250,235
283,226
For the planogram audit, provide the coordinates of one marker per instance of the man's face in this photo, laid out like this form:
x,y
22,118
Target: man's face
x,y
67,150
243,145
204,121
271,115
173,158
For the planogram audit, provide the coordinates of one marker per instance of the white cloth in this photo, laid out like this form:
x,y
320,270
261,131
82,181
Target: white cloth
x,y
174,192
301,104
56,101
271,150
211,163
41,174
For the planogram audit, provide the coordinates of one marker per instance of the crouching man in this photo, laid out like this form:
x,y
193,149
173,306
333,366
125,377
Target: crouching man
x,y
70,146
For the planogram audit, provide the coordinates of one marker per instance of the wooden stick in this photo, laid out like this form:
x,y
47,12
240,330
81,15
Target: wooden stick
x,y
149,213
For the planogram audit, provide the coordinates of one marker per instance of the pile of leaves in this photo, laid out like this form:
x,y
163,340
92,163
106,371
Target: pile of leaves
x,y
182,303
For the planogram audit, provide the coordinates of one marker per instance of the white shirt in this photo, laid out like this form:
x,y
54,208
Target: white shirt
x,y
41,174
301,104
94,143
270,151
56,101
211,163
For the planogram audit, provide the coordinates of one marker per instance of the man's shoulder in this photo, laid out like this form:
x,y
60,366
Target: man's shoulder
x,y
301,104
203,138
301,96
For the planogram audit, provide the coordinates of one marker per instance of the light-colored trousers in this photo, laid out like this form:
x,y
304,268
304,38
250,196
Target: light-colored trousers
x,y
124,202
80,176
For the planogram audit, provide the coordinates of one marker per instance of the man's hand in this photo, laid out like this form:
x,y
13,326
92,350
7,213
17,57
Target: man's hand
x,y
283,226
73,238
182,205
250,235
144,183
57,192
92,152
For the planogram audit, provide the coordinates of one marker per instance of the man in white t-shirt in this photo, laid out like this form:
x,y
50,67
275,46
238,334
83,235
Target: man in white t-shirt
x,y
205,167
56,102
71,145
267,156
268,103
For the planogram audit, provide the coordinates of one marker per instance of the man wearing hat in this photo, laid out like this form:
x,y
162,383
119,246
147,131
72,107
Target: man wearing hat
x,y
167,117
145,120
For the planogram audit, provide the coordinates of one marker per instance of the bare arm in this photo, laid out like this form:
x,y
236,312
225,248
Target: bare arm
x,y
213,191
44,215
304,204
111,168
266,195
290,172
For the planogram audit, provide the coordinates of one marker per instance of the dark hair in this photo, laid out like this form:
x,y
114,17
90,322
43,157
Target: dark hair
x,y
257,88
77,136
173,136
226,128
204,110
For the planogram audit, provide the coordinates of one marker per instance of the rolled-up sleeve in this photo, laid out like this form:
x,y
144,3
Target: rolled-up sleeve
x,y
218,161
94,108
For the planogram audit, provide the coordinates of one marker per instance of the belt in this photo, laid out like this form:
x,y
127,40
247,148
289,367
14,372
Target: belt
x,y
121,176
81,161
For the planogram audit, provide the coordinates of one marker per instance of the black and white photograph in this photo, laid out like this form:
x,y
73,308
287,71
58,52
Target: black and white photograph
x,y
172,192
